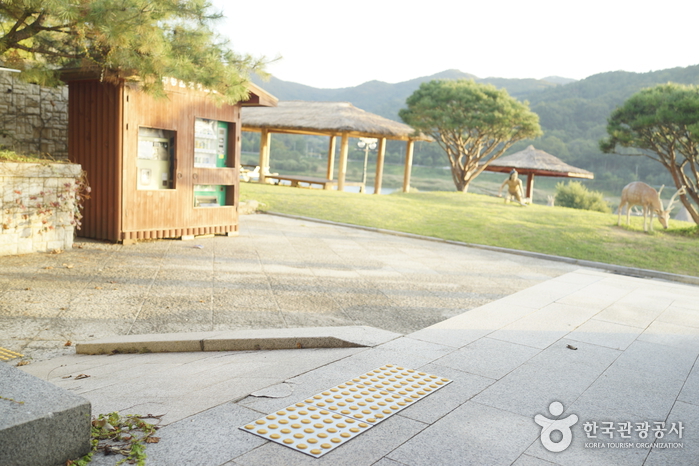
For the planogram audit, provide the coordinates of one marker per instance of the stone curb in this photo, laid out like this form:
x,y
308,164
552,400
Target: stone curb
x,y
241,340
618,269
40,423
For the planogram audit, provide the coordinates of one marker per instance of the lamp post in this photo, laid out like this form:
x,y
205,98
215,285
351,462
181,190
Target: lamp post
x,y
367,144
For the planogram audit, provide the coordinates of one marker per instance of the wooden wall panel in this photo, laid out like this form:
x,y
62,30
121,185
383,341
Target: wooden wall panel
x,y
94,141
168,209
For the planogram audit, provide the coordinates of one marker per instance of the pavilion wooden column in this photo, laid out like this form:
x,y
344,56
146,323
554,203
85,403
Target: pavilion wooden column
x,y
408,165
265,142
331,158
342,169
530,185
380,155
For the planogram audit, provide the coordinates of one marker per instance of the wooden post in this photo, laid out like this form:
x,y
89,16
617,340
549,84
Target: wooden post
x,y
342,169
265,140
530,186
408,165
331,158
380,154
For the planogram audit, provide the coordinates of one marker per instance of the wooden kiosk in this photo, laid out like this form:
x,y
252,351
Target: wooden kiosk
x,y
158,167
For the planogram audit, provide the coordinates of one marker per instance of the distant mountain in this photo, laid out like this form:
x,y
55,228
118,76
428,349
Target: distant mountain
x,y
580,109
573,114
559,80
386,99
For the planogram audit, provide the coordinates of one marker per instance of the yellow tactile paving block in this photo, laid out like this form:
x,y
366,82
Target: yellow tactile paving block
x,y
329,419
378,394
6,355
307,428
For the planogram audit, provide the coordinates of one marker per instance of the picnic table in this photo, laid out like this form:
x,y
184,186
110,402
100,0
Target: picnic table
x,y
309,180
248,172
296,179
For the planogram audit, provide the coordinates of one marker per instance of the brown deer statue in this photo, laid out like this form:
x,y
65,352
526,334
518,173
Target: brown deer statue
x,y
641,194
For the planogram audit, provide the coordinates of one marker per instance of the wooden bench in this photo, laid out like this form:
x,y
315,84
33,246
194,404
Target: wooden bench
x,y
309,180
296,179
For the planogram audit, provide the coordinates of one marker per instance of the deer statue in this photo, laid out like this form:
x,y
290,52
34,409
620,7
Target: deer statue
x,y
638,193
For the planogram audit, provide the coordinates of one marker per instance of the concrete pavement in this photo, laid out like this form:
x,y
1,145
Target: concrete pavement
x,y
280,273
611,349
514,334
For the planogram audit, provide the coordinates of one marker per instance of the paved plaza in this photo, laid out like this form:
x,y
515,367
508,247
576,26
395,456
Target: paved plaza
x,y
279,273
518,337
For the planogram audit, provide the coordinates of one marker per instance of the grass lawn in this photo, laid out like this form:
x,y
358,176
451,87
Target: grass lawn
x,y
480,219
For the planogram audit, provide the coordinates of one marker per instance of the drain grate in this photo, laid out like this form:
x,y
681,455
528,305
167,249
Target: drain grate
x,y
335,416
6,355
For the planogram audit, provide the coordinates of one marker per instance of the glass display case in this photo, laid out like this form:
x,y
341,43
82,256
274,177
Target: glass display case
x,y
210,143
155,159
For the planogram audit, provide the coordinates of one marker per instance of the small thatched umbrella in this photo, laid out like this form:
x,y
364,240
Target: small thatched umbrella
x,y
331,119
532,161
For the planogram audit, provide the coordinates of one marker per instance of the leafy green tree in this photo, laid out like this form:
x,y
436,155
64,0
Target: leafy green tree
x,y
125,39
474,123
663,122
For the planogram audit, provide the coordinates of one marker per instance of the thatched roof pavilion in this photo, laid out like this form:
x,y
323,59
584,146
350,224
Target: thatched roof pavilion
x,y
532,161
331,119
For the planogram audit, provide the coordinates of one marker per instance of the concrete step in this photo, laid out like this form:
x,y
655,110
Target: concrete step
x,y
40,423
241,340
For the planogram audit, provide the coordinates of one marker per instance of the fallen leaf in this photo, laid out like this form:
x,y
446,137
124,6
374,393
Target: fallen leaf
x,y
48,268
68,343
152,439
102,424
66,376
81,376
98,287
68,266
27,289
571,347
56,251
24,362
299,345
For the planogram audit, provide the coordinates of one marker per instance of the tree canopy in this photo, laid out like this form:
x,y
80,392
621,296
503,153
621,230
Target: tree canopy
x,y
663,123
125,39
474,123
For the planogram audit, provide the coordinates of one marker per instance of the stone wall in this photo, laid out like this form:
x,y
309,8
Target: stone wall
x,y
33,119
38,206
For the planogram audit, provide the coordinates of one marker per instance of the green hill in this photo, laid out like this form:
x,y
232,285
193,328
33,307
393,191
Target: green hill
x,y
386,99
573,115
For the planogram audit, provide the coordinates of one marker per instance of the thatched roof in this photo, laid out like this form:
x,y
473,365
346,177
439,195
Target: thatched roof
x,y
537,162
325,118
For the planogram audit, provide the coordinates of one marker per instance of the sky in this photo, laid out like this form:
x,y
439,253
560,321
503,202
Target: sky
x,y
328,44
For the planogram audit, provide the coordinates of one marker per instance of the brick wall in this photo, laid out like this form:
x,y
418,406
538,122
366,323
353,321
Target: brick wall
x,y
37,206
33,119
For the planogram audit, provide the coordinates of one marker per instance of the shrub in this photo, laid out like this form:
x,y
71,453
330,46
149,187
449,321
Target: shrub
x,y
576,195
